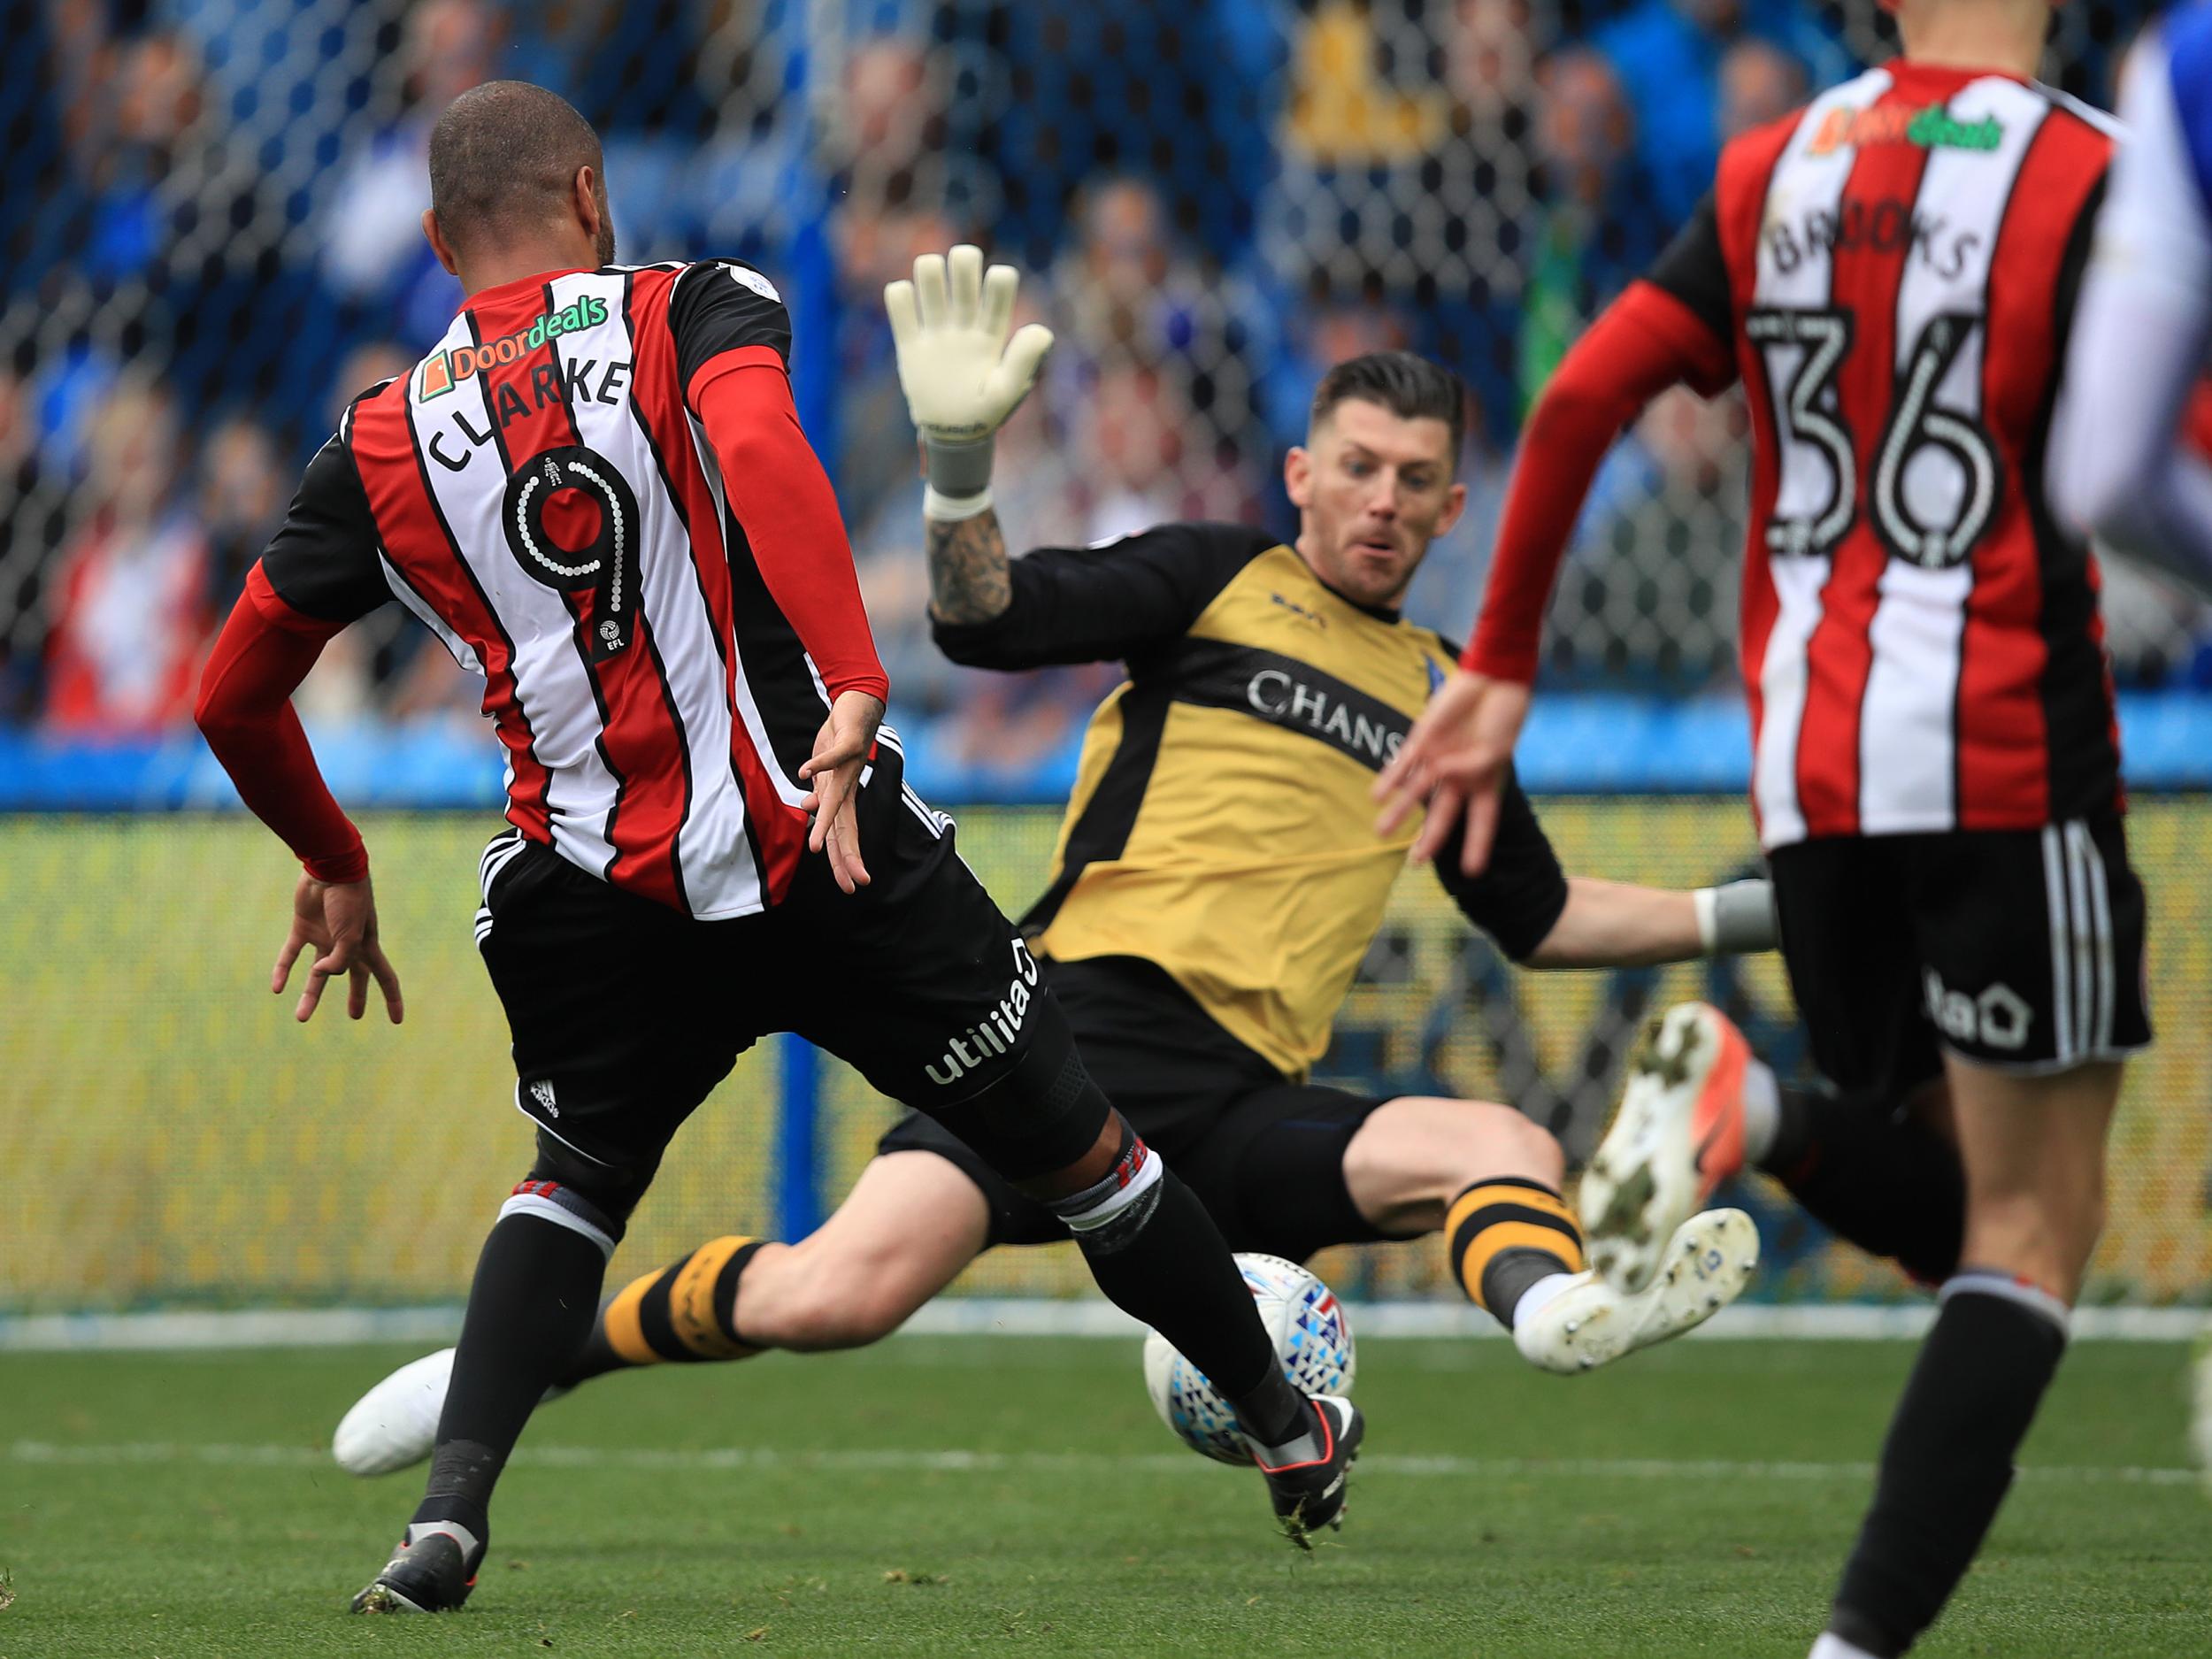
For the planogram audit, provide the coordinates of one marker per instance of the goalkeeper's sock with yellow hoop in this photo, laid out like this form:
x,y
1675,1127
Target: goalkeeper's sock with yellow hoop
x,y
1513,1244
679,1314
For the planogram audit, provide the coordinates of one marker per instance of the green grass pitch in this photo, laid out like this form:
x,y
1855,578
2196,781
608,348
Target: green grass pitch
x,y
1015,1496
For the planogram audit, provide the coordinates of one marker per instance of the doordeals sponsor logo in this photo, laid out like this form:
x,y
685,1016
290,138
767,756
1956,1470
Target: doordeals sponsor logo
x,y
444,370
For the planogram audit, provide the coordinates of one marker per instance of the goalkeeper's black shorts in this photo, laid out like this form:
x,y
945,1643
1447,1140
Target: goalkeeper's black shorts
x,y
1266,1155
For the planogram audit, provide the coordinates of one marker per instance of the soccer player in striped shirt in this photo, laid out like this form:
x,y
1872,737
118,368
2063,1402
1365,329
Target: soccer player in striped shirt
x,y
596,493
1892,273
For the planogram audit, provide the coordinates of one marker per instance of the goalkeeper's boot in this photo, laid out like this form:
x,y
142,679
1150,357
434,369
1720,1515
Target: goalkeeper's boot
x,y
395,1424
1306,1477
432,1572
1589,1323
1678,1134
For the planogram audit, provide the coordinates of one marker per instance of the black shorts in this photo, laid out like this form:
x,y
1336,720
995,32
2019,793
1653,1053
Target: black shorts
x,y
2021,949
1265,1156
626,1014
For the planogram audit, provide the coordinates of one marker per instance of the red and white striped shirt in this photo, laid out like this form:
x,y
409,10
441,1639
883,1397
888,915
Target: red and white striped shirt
x,y
1891,271
594,492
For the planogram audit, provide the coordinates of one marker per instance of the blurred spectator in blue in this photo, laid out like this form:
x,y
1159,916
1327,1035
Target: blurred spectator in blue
x,y
1404,177
371,363
1181,91
129,598
876,454
1759,83
1598,225
632,66
167,201
33,508
1128,294
243,490
375,253
39,208
1668,54
1316,335
1653,562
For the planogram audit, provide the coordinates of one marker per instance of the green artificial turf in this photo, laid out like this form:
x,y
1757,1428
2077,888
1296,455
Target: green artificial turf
x,y
1009,1495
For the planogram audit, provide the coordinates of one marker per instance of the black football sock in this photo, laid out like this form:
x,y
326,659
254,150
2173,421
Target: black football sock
x,y
1506,1236
678,1314
1948,1462
1878,1177
1159,1257
529,1309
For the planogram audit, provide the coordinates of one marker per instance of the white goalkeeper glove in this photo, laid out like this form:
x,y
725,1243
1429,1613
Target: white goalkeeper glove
x,y
961,375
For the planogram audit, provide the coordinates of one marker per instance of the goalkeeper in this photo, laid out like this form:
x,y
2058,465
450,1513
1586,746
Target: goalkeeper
x,y
1217,882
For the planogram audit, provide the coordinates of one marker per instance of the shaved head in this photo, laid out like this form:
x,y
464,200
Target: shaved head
x,y
504,161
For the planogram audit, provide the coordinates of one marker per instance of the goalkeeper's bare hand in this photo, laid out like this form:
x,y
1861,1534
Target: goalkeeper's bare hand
x,y
963,367
339,920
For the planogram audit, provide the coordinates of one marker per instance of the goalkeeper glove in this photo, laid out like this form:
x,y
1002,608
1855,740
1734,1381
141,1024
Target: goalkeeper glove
x,y
961,375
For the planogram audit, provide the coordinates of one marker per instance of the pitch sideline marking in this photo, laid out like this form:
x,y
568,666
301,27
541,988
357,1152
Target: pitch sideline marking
x,y
110,1454
1018,1315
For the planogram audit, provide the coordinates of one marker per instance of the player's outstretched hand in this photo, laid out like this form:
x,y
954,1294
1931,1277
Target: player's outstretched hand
x,y
962,364
840,749
339,920
1454,759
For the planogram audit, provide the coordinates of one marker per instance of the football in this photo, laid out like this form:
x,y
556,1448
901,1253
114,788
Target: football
x,y
1312,1338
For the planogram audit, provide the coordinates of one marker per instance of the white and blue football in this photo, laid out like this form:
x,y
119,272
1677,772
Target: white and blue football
x,y
1311,1336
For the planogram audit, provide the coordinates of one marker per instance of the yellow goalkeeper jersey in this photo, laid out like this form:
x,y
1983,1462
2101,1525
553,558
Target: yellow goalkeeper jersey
x,y
1221,824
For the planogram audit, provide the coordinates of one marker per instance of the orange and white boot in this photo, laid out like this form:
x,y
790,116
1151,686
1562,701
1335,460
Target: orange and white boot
x,y
1678,1134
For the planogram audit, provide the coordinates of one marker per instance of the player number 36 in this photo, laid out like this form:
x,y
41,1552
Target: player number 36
x,y
1931,526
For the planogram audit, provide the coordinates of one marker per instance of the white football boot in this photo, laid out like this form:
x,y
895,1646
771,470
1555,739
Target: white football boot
x,y
1678,1134
395,1424
1589,1323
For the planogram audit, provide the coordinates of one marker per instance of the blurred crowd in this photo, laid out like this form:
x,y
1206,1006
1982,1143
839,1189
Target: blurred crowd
x,y
212,243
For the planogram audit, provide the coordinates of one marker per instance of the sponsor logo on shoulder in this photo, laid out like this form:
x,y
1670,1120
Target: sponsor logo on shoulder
x,y
444,370
1299,611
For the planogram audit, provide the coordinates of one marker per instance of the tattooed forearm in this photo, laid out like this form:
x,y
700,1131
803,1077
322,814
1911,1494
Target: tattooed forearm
x,y
968,581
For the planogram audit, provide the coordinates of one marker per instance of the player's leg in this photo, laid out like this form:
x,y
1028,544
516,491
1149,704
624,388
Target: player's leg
x,y
912,1221
918,1215
1292,1168
609,1061
1156,1254
1869,1154
2033,945
942,1005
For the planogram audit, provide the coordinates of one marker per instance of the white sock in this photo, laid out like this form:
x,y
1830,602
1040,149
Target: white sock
x,y
1538,1296
1832,1646
1761,1110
